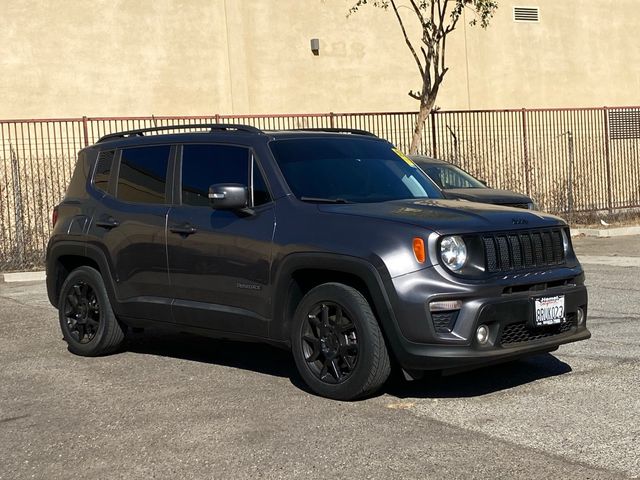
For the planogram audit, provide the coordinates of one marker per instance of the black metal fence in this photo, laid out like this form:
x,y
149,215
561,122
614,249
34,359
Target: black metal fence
x,y
570,160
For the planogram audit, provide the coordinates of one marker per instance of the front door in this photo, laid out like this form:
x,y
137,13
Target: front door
x,y
219,261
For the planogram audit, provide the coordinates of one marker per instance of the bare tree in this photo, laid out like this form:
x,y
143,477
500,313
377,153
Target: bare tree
x,y
437,19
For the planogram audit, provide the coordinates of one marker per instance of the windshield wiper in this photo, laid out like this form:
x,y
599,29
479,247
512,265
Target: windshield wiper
x,y
324,200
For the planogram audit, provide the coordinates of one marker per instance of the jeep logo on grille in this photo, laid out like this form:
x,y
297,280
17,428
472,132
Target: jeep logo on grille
x,y
519,221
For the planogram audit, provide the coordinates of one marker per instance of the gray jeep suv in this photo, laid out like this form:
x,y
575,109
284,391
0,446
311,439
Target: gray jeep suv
x,y
329,243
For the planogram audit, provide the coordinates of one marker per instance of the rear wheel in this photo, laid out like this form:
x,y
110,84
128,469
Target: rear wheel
x,y
337,344
87,321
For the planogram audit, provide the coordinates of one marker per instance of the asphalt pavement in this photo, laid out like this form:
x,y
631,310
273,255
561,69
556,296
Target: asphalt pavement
x,y
179,406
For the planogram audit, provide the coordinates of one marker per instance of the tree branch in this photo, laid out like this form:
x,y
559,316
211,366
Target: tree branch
x,y
437,18
426,78
418,13
433,6
442,55
406,38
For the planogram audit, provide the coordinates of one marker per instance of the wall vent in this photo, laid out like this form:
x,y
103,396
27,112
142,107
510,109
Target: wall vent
x,y
526,14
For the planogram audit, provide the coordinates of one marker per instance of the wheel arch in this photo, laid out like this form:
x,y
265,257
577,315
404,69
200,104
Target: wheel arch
x,y
63,258
298,273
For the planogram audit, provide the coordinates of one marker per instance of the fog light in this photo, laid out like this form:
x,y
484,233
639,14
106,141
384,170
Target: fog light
x,y
482,334
580,316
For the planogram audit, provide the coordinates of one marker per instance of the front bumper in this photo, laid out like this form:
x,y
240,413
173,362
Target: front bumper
x,y
505,310
419,357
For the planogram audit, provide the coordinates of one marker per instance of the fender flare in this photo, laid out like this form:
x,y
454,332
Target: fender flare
x,y
377,280
79,249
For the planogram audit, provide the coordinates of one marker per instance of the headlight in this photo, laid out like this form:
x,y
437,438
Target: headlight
x,y
453,252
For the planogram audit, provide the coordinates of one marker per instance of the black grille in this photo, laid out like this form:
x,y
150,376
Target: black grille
x,y
521,332
521,250
443,322
517,205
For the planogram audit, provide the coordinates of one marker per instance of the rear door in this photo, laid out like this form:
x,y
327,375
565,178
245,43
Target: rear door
x,y
130,226
219,261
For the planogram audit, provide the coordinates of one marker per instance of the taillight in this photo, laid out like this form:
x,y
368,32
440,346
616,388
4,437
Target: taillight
x,y
54,216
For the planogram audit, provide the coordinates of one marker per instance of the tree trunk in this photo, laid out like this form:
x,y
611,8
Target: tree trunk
x,y
425,108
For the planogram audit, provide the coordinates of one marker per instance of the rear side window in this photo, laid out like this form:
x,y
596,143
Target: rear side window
x,y
143,174
205,165
103,170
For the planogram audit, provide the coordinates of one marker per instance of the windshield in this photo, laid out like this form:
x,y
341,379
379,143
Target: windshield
x,y
349,170
450,176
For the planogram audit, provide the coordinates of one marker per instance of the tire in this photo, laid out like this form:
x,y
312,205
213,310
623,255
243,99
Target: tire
x,y
87,321
337,344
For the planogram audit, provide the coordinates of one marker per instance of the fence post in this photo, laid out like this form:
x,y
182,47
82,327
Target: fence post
x,y
525,152
570,177
455,145
607,157
332,119
18,200
434,147
85,130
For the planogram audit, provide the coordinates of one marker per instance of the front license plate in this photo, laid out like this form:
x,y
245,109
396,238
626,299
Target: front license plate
x,y
548,311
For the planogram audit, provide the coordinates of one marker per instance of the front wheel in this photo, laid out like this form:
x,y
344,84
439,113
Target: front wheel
x,y
87,321
337,344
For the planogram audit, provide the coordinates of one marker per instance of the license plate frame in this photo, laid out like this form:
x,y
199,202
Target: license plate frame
x,y
548,311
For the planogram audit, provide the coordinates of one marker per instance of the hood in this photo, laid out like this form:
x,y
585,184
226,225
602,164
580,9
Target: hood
x,y
449,216
487,195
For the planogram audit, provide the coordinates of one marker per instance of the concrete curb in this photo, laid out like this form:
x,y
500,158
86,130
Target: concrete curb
x,y
612,261
606,232
22,277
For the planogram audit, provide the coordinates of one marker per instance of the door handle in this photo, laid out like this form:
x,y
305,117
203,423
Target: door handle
x,y
185,229
107,222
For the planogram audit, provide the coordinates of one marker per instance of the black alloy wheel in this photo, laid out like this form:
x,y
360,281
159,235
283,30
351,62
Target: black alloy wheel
x,y
337,343
82,312
88,323
330,343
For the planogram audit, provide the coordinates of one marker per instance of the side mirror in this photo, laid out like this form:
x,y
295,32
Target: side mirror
x,y
228,196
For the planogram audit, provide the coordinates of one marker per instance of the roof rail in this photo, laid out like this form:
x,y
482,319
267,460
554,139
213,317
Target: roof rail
x,y
213,127
353,131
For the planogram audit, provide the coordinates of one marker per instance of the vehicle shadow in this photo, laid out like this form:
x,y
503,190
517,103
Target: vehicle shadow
x,y
255,357
482,381
269,360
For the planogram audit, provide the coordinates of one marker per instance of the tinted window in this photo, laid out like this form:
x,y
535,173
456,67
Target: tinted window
x,y
103,170
452,177
143,174
350,169
260,191
205,165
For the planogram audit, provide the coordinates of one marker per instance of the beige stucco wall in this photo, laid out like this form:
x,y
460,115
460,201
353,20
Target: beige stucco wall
x,y
138,57
582,53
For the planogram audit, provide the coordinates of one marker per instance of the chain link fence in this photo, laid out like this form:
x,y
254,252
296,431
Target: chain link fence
x,y
570,161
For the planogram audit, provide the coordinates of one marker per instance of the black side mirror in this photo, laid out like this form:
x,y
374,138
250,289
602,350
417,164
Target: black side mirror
x,y
228,196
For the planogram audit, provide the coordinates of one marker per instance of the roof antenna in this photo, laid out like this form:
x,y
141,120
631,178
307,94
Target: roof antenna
x,y
153,119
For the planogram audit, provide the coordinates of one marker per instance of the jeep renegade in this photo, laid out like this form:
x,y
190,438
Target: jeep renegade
x,y
332,244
